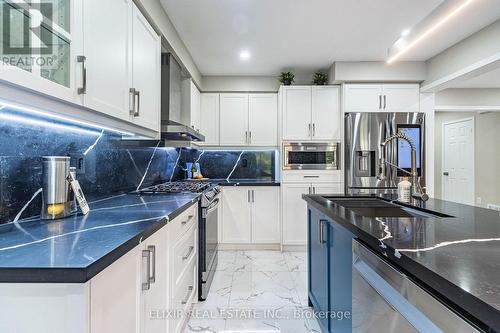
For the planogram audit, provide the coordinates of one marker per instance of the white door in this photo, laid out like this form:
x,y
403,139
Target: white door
x,y
107,48
362,97
115,296
146,64
401,98
265,215
458,161
263,119
294,214
297,113
236,219
325,113
325,188
233,119
209,118
157,296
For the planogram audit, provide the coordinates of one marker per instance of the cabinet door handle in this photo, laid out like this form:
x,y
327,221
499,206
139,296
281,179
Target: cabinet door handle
x,y
186,299
321,233
250,137
248,195
253,196
146,254
152,250
138,111
246,137
188,254
83,60
187,220
379,102
314,129
314,189
132,101
385,101
309,131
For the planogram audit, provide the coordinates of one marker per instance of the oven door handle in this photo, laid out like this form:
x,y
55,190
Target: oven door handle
x,y
213,206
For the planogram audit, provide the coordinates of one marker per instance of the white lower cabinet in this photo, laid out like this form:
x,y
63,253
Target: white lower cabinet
x,y
136,292
295,208
250,215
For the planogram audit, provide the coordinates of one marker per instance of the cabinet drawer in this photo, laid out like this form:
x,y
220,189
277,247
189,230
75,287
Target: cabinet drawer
x,y
313,176
185,293
182,223
184,251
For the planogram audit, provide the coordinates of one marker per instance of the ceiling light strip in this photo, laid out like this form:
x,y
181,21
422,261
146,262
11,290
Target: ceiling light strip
x,y
429,31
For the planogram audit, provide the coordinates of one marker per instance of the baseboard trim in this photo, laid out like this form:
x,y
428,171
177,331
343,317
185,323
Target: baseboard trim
x,y
297,248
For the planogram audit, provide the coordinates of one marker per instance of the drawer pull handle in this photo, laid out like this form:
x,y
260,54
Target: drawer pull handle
x,y
152,250
190,291
188,219
311,176
146,254
188,254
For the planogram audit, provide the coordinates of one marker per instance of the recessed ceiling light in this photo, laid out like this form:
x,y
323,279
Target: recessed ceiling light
x,y
245,55
430,30
405,32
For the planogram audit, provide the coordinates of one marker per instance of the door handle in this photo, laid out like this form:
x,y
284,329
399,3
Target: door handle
x,y
188,254
314,129
83,60
146,254
250,137
190,290
132,95
321,232
138,112
246,137
152,250
380,102
248,195
253,196
309,131
314,189
385,101
446,173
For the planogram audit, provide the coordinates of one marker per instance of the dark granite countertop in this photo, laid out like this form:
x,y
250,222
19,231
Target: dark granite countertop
x,y
75,249
246,182
456,258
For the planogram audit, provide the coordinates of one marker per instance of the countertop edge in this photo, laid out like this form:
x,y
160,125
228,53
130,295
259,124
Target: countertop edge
x,y
467,305
84,274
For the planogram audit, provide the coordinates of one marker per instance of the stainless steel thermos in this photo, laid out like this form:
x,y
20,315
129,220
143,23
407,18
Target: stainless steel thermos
x,y
57,198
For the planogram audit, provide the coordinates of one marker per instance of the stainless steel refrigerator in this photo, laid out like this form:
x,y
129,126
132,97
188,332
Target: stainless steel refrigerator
x,y
363,134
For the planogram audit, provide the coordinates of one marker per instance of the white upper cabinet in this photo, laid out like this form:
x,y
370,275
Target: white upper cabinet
x,y
311,113
108,56
297,113
191,108
381,97
234,119
146,74
401,97
209,118
325,113
263,119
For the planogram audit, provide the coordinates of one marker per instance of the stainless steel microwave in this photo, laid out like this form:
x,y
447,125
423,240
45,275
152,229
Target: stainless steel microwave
x,y
310,156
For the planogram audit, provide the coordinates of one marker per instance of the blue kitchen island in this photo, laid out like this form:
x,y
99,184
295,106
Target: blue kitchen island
x,y
377,265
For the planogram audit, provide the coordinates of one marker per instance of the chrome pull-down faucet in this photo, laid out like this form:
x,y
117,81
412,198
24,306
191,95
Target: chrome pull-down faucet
x,y
416,189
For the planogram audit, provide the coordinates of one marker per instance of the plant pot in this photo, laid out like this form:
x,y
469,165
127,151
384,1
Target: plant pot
x,y
287,83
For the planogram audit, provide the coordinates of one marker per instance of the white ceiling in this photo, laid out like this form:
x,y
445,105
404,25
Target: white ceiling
x,y
307,34
487,80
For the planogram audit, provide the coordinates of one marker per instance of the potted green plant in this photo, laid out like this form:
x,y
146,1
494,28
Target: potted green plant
x,y
320,78
287,78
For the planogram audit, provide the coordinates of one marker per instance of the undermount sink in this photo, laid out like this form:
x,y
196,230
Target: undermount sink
x,y
374,207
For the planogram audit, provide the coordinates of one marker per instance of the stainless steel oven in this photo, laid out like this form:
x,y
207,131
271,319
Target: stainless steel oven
x,y
208,240
311,156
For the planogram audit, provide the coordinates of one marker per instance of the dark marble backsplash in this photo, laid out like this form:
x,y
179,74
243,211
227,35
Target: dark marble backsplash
x,y
110,165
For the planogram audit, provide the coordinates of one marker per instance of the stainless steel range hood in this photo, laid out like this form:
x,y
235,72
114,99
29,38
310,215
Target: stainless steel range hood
x,y
174,130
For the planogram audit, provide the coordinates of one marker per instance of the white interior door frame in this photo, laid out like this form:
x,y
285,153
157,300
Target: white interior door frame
x,y
473,154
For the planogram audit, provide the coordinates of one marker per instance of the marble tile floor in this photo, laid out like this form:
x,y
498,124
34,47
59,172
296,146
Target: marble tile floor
x,y
256,292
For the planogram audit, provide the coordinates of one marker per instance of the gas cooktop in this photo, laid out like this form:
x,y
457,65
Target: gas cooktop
x,y
178,187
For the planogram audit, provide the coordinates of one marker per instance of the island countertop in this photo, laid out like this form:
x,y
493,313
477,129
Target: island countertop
x,y
75,249
457,258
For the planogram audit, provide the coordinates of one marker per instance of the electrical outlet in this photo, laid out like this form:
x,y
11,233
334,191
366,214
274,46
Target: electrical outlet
x,y
79,161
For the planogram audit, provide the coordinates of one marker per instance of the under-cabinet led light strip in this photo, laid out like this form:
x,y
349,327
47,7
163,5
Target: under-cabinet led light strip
x,y
5,105
429,31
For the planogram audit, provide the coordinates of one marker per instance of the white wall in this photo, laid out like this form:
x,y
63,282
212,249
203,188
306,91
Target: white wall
x,y
468,97
478,47
155,13
377,71
240,83
487,156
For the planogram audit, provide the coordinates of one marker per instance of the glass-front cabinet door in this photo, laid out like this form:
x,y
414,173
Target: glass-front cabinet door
x,y
37,36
